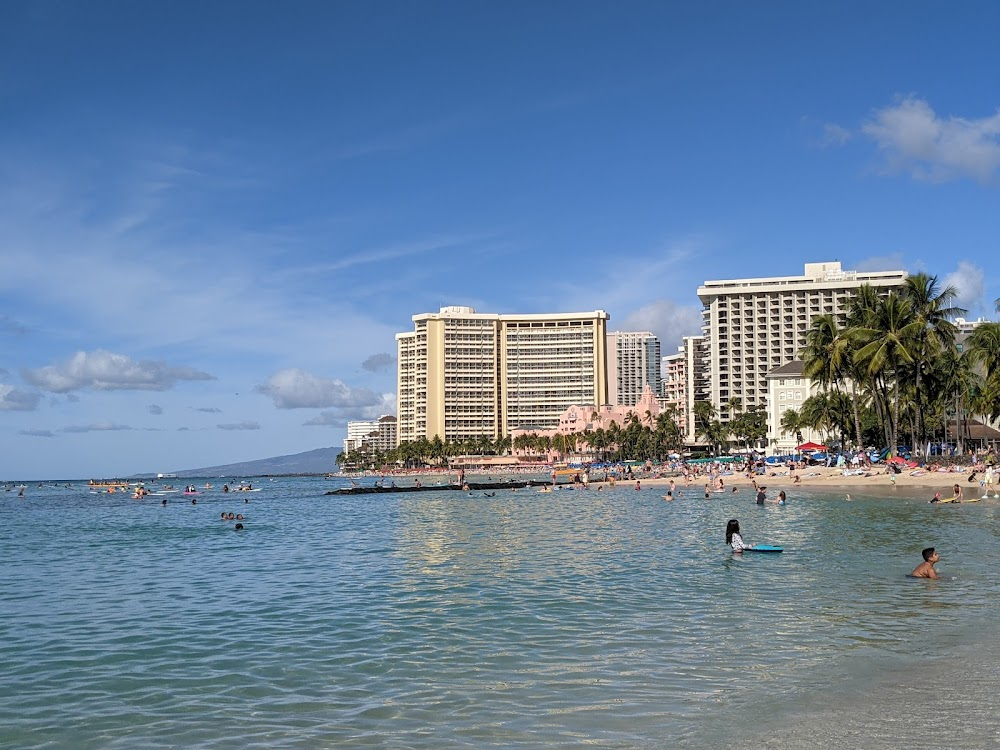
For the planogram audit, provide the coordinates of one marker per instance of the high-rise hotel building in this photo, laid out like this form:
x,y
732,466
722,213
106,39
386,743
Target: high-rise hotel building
x,y
633,363
465,374
752,326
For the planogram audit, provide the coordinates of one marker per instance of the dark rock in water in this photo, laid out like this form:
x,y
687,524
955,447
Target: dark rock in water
x,y
469,487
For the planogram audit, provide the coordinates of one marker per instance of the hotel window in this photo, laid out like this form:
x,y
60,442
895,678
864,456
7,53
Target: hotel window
x,y
781,396
798,396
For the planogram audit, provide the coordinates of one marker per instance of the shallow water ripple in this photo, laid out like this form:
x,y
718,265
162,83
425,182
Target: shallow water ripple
x,y
440,619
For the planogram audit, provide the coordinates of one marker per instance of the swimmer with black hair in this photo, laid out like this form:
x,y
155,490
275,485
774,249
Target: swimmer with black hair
x,y
164,503
239,516
926,568
238,527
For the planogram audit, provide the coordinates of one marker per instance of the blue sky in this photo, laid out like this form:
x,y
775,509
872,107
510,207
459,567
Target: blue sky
x,y
215,216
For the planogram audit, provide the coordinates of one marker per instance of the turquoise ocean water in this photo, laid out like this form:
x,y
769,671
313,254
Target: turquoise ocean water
x,y
438,620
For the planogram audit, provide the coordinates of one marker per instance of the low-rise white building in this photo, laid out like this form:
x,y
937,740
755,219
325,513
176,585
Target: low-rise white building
x,y
787,388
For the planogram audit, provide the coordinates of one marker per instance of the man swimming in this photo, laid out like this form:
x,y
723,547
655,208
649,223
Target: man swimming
x,y
926,568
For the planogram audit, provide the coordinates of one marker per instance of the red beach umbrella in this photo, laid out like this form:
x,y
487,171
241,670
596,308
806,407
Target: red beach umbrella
x,y
811,447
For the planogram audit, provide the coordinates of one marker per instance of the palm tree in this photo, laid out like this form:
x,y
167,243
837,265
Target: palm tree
x,y
886,343
827,359
933,309
792,423
983,350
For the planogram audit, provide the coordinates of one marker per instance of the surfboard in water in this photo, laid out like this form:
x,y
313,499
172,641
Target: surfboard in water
x,y
765,548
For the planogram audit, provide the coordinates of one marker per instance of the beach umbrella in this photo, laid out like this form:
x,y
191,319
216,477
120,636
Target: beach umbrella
x,y
811,447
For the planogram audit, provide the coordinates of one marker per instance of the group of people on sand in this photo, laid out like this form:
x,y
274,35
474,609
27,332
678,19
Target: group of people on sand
x,y
924,570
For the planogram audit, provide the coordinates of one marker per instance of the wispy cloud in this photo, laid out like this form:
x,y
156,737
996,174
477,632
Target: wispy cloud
x,y
10,326
37,433
623,289
154,409
378,362
834,135
247,425
99,427
208,410
916,140
106,371
891,262
666,319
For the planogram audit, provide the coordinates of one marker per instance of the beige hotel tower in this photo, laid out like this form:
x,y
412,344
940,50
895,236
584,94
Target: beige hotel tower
x,y
465,374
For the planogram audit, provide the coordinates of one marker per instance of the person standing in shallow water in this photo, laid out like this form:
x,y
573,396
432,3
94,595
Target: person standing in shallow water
x,y
733,537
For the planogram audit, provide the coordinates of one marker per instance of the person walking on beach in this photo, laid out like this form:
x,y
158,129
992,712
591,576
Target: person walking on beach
x,y
926,568
733,538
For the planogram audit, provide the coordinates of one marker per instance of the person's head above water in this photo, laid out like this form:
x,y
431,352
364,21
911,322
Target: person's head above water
x,y
928,554
733,527
238,527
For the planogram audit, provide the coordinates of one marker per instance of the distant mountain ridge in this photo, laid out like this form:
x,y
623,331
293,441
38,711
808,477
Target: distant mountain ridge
x,y
318,461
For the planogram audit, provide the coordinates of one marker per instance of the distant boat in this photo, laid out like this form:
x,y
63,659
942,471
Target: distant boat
x,y
166,476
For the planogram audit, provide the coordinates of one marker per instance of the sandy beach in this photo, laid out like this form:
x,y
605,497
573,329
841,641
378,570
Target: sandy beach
x,y
910,483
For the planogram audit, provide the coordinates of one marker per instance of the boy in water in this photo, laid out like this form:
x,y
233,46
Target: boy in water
x,y
926,568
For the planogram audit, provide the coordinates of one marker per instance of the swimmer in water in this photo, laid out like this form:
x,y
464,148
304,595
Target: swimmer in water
x,y
164,503
936,498
239,516
926,568
733,537
238,527
781,498
223,515
669,495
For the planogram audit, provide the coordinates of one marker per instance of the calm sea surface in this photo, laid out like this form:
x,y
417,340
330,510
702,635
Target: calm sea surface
x,y
438,620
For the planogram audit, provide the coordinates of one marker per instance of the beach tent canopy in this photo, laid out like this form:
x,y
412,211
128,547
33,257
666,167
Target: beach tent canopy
x,y
811,447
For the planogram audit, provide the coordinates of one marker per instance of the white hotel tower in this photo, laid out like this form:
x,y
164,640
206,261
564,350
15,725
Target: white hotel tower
x,y
752,326
633,363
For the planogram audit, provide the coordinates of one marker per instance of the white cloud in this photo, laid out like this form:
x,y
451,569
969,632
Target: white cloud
x,y
298,389
340,417
915,140
247,425
667,320
12,399
106,371
969,280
